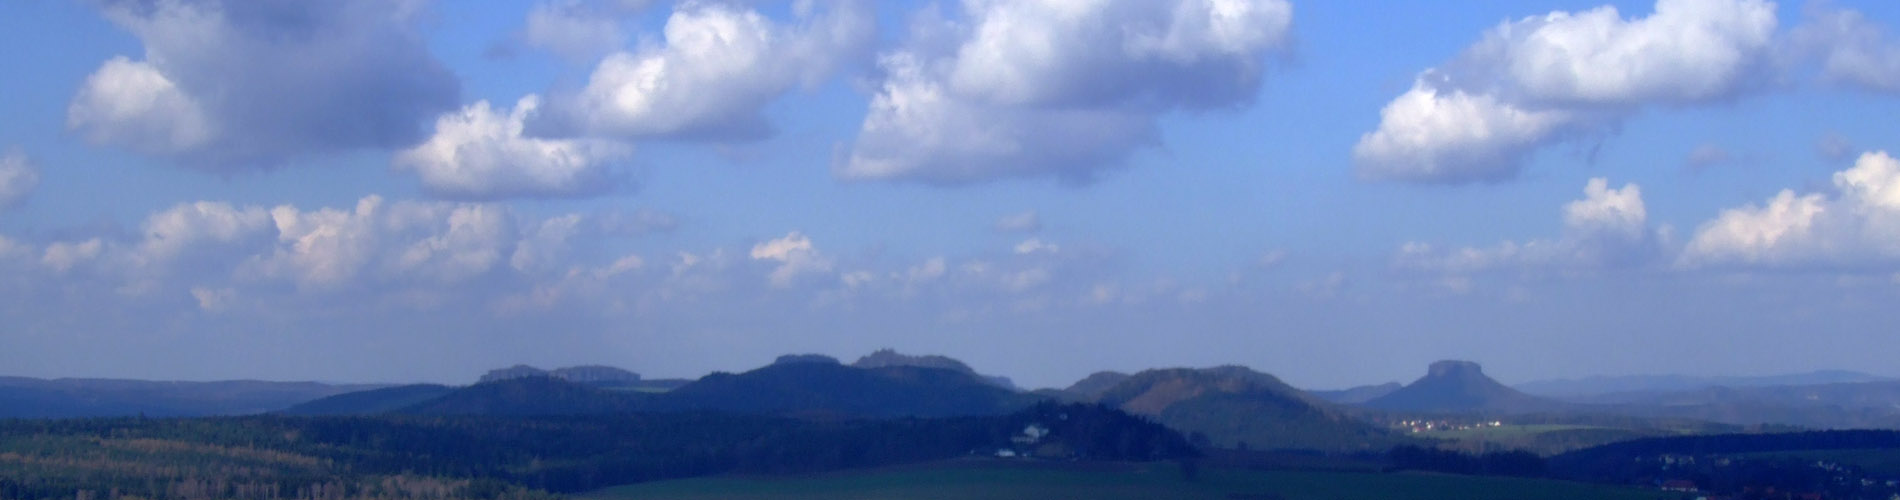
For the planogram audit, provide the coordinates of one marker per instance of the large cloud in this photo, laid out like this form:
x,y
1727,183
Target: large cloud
x,y
717,67
18,177
227,84
1047,88
481,153
1539,80
1856,226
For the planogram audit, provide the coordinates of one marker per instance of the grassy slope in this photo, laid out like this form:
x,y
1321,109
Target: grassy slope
x,y
1025,480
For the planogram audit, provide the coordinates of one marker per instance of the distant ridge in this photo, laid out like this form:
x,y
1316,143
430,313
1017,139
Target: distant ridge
x,y
585,374
1604,385
824,390
887,357
1459,386
527,396
798,388
23,397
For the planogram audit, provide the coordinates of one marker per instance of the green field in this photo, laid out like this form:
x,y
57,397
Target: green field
x,y
1005,480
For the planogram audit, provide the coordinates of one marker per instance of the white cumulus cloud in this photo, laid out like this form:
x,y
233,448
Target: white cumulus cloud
x,y
710,76
1857,225
1609,227
1536,81
1051,88
481,153
795,257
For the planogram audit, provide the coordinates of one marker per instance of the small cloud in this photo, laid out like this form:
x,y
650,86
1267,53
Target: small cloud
x,y
1835,148
213,299
795,256
63,256
1025,222
1034,246
18,178
1706,156
1271,259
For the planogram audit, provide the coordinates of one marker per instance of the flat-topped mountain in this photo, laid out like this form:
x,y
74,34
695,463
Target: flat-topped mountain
x,y
1459,386
887,357
1233,406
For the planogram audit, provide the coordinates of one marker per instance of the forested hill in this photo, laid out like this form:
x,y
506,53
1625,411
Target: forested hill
x,y
264,457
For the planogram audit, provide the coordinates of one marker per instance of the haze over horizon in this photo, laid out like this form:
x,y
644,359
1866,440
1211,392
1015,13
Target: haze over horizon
x,y
419,191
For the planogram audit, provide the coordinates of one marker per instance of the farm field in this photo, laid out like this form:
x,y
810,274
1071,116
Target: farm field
x,y
1016,480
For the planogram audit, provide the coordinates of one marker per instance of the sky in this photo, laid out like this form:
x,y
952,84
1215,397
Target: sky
x,y
1337,193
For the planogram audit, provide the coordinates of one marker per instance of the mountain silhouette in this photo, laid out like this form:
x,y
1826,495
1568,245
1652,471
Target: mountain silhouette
x,y
1459,386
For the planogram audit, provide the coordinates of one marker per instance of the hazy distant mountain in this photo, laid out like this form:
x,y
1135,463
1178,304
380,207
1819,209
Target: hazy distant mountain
x,y
1459,386
1359,394
820,389
806,389
528,396
22,397
1837,406
886,357
1231,405
588,374
1582,388
373,401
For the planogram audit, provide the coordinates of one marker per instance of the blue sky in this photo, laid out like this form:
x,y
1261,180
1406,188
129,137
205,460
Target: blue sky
x,y
1337,193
